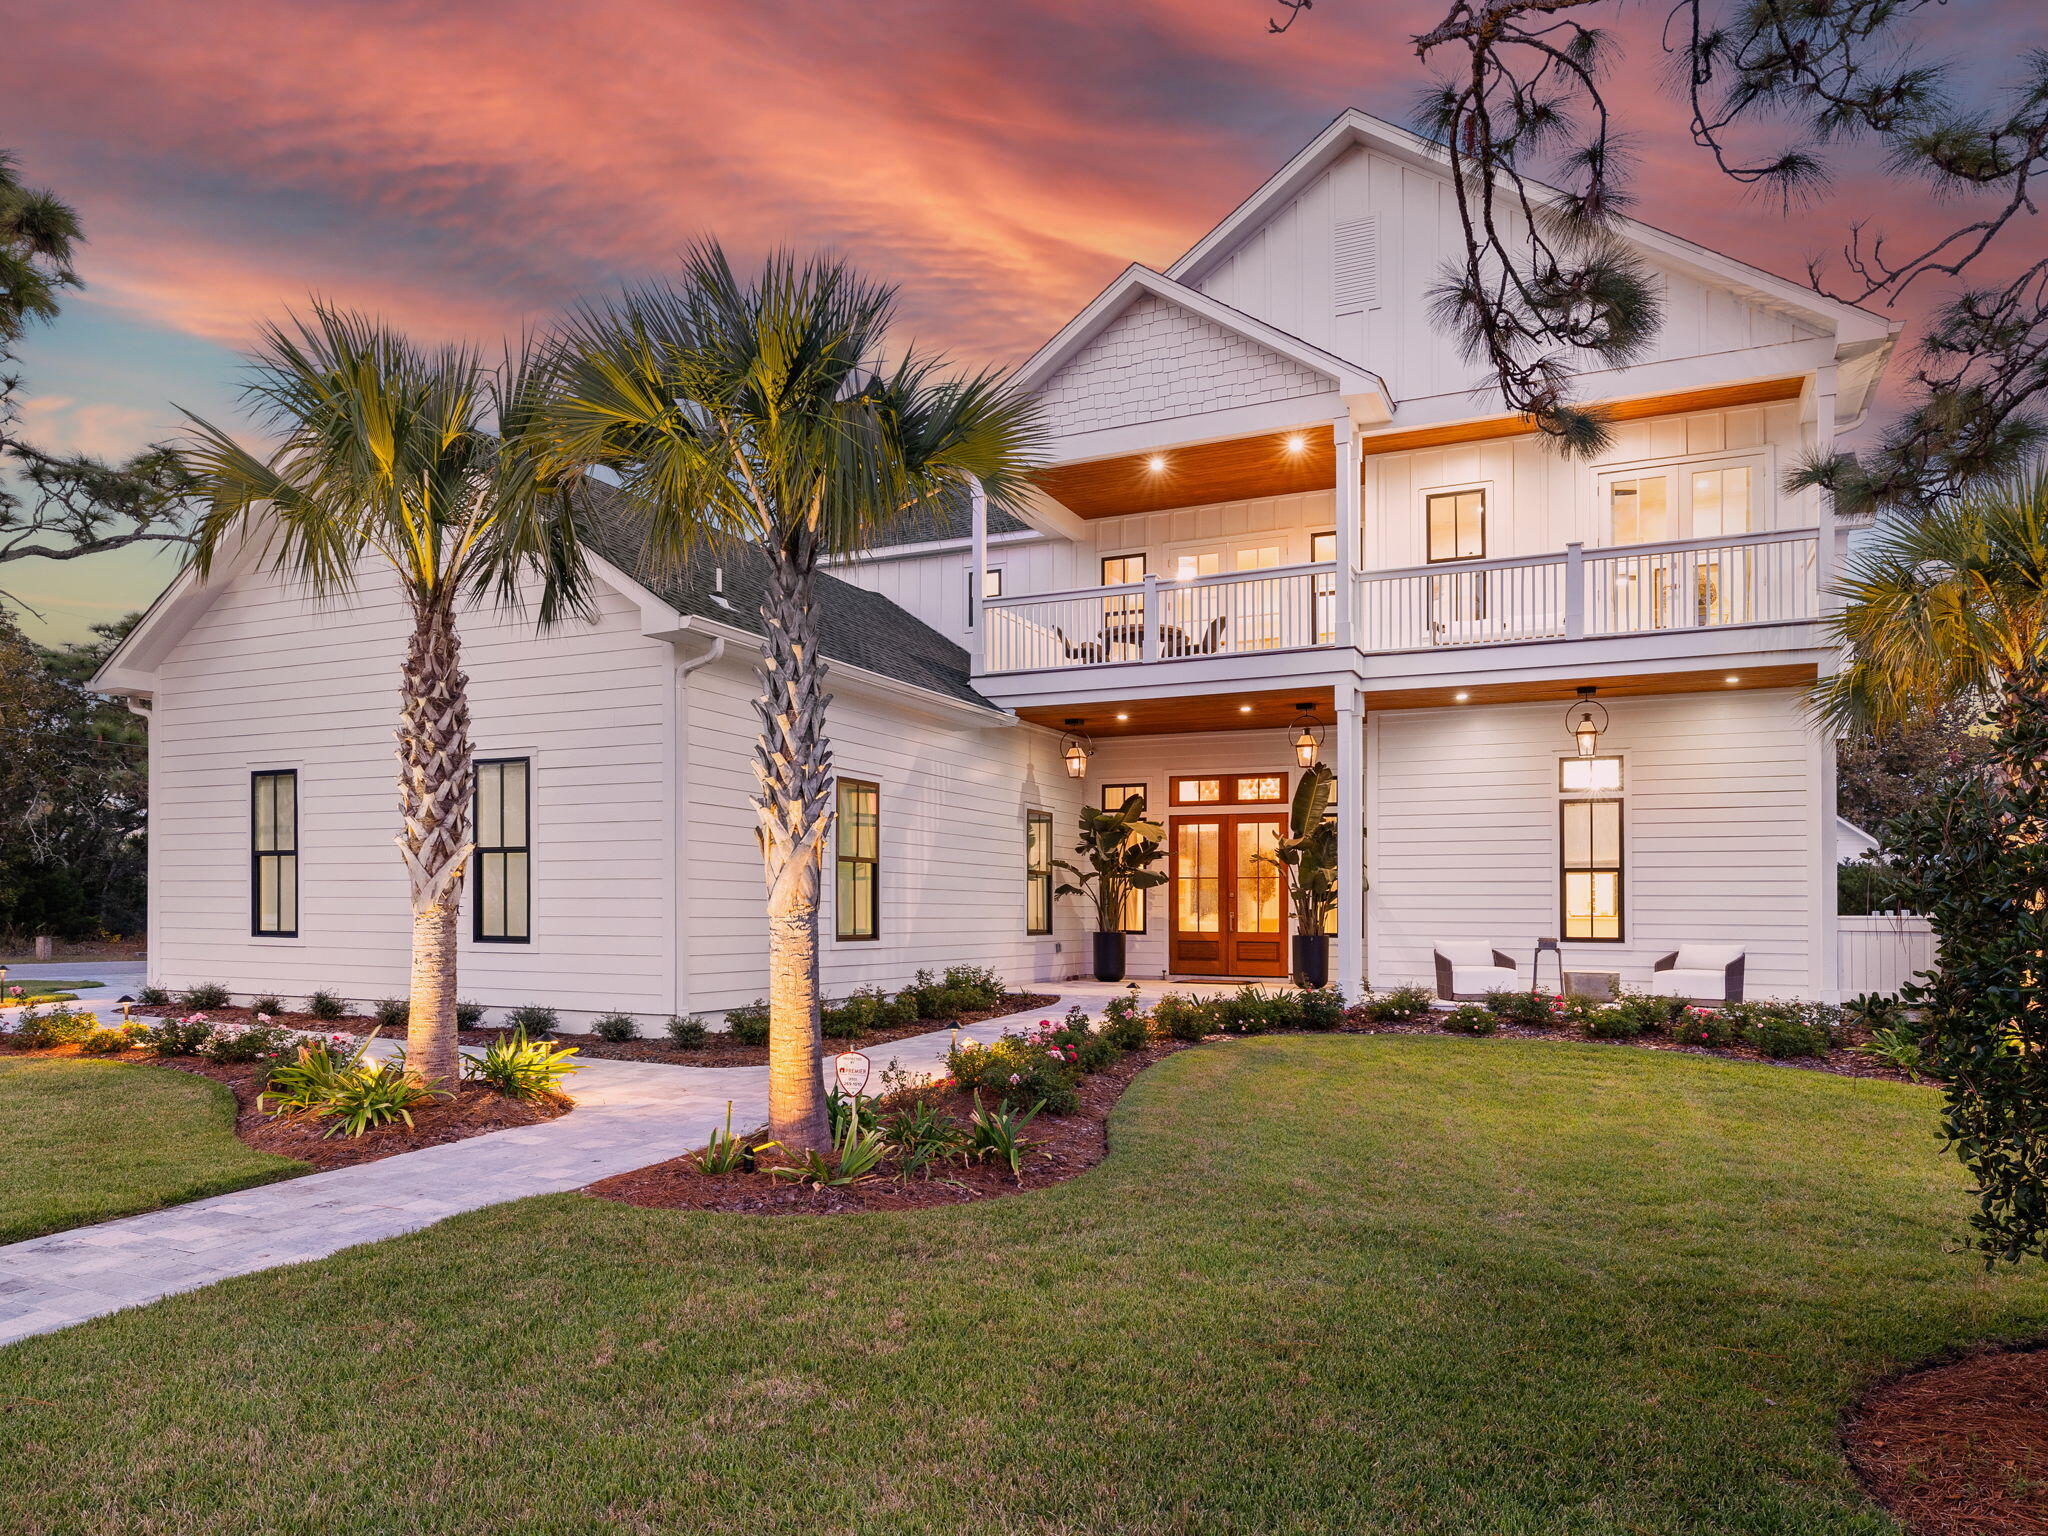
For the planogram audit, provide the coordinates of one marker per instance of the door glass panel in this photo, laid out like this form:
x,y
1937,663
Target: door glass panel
x,y
1258,882
1259,557
1198,877
1201,562
1641,508
1720,501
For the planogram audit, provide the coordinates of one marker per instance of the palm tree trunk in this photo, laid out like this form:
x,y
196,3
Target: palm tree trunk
x,y
793,763
434,779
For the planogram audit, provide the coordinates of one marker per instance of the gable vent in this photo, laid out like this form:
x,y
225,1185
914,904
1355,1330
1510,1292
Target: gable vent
x,y
1358,264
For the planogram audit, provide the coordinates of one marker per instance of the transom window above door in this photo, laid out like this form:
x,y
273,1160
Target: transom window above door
x,y
1456,525
1228,789
1698,501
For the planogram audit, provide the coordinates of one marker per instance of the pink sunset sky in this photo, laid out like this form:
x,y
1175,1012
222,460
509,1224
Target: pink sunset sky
x,y
470,168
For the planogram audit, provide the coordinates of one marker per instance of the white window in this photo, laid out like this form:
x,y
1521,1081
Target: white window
x,y
1456,525
1590,874
1688,501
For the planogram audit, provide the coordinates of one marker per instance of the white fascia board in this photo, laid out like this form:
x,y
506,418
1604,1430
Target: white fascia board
x,y
1348,377
131,671
658,620
931,547
1848,323
1305,412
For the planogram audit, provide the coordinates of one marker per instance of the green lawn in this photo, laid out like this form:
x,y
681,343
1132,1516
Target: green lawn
x,y
84,1141
1328,1284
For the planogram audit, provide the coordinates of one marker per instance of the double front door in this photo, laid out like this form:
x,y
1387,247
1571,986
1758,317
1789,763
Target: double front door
x,y
1229,903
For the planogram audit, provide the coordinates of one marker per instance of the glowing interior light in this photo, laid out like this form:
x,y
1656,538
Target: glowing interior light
x,y
1731,678
1157,463
1244,709
1295,443
1462,697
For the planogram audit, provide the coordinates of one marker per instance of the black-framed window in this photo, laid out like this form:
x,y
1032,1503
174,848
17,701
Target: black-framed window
x,y
1038,872
274,853
1590,870
503,820
1456,523
1113,798
857,904
991,586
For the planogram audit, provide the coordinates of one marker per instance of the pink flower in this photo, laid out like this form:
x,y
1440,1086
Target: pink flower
x,y
1015,1079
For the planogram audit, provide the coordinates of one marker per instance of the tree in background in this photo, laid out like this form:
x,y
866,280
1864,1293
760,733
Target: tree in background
x,y
73,776
753,413
1543,290
414,464
56,506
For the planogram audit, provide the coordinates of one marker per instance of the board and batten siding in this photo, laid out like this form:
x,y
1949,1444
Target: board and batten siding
x,y
1723,794
269,679
954,793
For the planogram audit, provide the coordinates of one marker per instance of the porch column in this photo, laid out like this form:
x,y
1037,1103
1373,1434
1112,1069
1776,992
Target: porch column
x,y
1350,528
1827,550
977,579
1348,738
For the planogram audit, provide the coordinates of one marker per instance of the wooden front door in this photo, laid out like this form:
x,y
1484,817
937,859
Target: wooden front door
x,y
1229,906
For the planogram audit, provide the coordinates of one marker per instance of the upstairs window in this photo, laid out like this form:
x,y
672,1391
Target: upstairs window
x,y
1457,525
274,854
1697,501
857,904
504,851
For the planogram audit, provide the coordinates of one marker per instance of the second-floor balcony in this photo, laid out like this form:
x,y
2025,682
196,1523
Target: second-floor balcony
x,y
1577,594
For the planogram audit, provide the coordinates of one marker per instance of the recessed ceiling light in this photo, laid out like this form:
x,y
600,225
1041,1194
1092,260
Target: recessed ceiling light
x,y
1244,709
1731,678
1295,442
1123,717
1157,463
1462,697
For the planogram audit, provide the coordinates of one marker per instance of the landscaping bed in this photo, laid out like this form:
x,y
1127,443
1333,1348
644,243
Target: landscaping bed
x,y
1960,1449
1060,1147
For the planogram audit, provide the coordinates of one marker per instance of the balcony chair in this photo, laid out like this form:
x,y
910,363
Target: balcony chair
x,y
1465,973
1702,973
1178,642
1087,651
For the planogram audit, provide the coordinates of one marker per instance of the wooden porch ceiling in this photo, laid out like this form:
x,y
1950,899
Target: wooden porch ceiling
x,y
1286,463
1276,709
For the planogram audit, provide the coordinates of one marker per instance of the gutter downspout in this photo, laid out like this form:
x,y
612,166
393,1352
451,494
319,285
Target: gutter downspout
x,y
679,791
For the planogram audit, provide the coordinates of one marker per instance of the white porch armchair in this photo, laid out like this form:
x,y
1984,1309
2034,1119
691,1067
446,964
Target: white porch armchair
x,y
1703,973
1466,972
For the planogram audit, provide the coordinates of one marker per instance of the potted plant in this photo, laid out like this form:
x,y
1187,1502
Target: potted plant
x,y
1120,848
1308,855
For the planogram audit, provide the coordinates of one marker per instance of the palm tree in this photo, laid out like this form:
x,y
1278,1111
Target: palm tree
x,y
753,413
419,461
1948,606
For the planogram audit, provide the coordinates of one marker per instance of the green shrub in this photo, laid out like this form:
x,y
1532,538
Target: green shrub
x,y
1395,1007
1783,1038
999,1134
105,1042
1076,1037
687,1034
1018,1070
1616,1021
534,1021
325,1005
177,1037
1875,1010
1525,1010
1900,1047
154,997
210,994
269,1003
748,1023
37,1029
616,1027
839,1106
248,1042
864,1011
307,1080
1181,1017
468,1015
1705,1026
1254,1011
1320,1008
523,1068
923,1138
374,1094
963,989
1123,1023
393,1013
1470,1019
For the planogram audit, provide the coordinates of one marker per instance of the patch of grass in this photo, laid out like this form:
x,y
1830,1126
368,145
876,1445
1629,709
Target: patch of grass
x,y
85,1141
1321,1284
52,983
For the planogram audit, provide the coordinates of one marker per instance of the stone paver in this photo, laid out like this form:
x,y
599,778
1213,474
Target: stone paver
x,y
627,1115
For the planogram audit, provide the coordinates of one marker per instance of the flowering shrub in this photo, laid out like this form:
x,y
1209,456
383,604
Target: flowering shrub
x,y
105,1042
262,1041
1529,1010
1394,1007
1180,1017
1785,1030
1320,1008
1124,1024
1470,1019
178,1036
1022,1069
1705,1026
37,1030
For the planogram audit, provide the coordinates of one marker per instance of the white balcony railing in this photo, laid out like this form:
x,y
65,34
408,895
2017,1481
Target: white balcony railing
x,y
1580,594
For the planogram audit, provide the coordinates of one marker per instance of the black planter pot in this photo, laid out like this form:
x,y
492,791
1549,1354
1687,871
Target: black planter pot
x,y
1109,957
1311,959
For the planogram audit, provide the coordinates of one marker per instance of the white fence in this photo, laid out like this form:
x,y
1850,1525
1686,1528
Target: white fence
x,y
1881,953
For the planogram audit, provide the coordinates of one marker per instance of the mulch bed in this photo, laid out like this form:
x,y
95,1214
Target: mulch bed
x,y
1063,1145
1959,1449
474,1110
717,1050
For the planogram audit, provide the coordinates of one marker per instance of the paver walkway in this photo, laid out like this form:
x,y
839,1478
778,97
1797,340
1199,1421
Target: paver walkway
x,y
627,1115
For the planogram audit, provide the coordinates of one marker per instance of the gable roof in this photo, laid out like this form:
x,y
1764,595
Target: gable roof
x,y
855,626
1354,129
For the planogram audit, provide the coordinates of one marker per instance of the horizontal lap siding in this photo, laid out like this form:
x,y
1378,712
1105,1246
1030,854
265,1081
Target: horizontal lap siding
x,y
269,679
953,801
1721,829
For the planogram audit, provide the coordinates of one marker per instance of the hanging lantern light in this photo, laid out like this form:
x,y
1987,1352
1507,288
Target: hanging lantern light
x,y
1586,720
1306,737
1076,749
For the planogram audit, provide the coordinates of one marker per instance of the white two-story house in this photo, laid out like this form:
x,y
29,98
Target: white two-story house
x,y
1278,503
